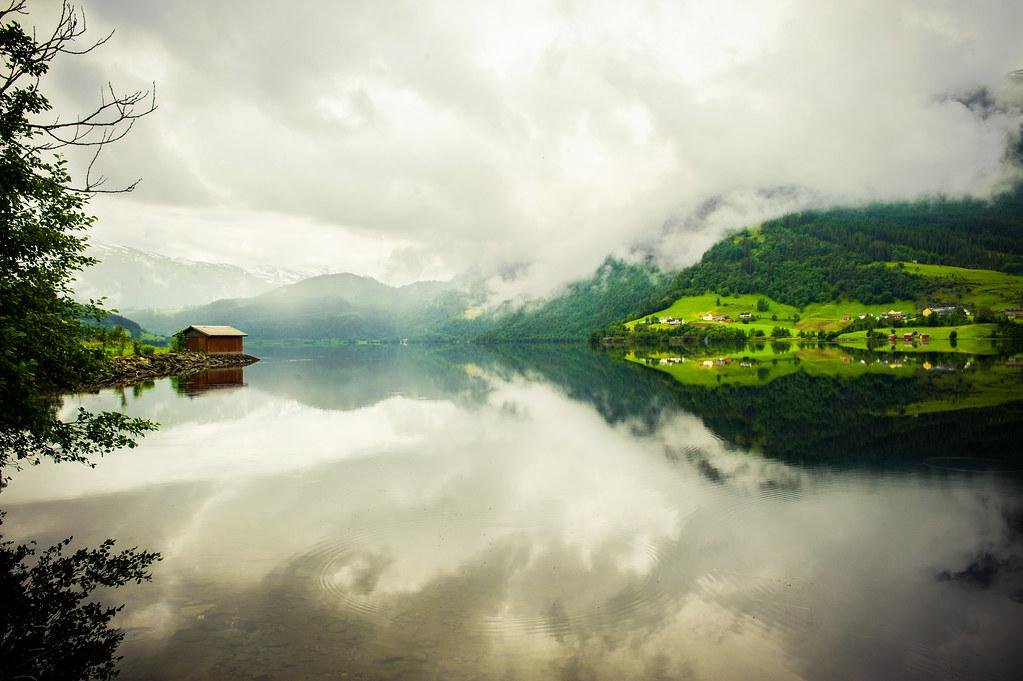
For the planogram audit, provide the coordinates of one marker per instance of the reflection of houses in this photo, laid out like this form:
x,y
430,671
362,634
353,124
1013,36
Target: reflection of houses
x,y
664,361
214,339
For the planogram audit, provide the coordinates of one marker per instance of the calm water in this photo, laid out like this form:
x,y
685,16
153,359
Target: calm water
x,y
453,513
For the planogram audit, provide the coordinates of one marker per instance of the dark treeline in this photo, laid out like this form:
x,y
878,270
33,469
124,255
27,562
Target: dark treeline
x,y
820,256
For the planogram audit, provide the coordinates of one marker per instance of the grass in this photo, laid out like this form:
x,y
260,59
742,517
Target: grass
x,y
829,316
127,350
976,288
692,308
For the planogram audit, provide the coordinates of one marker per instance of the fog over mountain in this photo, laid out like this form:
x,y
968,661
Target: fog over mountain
x,y
130,278
411,141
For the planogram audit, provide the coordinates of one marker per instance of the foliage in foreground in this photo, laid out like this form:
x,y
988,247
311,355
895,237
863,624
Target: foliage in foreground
x,y
49,627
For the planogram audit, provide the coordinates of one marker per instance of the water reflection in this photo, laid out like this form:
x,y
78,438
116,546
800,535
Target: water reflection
x,y
554,514
200,382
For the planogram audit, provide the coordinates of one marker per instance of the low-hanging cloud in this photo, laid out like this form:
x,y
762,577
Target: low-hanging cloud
x,y
539,136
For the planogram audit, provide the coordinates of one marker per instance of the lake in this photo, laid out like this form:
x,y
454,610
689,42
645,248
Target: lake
x,y
528,512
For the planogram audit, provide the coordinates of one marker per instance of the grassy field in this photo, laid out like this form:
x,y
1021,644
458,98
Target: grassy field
x,y
815,317
692,308
973,288
831,316
976,288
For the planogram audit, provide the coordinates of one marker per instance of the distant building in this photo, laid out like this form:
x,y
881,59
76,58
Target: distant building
x,y
214,339
939,309
1014,313
745,315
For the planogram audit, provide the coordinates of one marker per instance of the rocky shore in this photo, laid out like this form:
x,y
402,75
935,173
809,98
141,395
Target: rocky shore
x,y
132,369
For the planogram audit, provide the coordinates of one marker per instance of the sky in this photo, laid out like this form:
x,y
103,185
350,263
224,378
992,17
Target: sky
x,y
524,142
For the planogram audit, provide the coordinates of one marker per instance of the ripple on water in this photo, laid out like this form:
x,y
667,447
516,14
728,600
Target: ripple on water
x,y
973,464
338,570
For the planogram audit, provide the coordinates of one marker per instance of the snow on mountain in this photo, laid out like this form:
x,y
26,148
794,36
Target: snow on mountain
x,y
134,279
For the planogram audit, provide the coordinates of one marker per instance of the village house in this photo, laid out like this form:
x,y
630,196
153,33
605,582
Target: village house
x,y
745,315
674,321
214,339
893,315
1014,313
939,309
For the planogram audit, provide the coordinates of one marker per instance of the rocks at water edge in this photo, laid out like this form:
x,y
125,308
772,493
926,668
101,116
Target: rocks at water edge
x,y
135,368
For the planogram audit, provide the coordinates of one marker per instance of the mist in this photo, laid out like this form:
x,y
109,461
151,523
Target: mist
x,y
411,141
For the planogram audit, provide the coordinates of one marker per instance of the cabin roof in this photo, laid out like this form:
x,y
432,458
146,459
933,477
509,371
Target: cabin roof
x,y
207,330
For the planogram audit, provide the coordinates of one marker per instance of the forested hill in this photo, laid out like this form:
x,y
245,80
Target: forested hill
x,y
614,291
818,256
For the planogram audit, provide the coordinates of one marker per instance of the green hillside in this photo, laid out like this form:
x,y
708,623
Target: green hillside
x,y
976,288
840,254
614,291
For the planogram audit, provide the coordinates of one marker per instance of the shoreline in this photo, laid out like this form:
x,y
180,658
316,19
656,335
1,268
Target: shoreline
x,y
125,371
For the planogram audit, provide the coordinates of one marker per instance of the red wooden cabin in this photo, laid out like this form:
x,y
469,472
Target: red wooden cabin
x,y
214,339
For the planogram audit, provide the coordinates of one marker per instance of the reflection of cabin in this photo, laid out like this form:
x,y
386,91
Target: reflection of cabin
x,y
211,379
214,339
217,378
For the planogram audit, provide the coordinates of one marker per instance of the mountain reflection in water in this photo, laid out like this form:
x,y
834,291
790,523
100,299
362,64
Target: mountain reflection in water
x,y
533,513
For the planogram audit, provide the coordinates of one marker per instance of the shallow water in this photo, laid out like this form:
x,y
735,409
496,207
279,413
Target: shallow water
x,y
456,513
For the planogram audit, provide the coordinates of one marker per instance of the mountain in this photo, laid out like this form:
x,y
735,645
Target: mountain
x,y
846,253
134,279
614,291
338,307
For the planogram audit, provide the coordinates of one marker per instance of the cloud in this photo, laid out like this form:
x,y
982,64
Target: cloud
x,y
541,135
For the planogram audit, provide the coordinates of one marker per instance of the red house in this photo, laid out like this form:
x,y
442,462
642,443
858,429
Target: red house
x,y
214,339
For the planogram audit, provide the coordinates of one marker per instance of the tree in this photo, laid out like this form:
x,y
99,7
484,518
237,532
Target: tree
x,y
48,627
42,242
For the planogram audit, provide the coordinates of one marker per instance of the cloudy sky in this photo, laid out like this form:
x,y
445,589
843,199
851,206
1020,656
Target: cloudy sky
x,y
408,140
